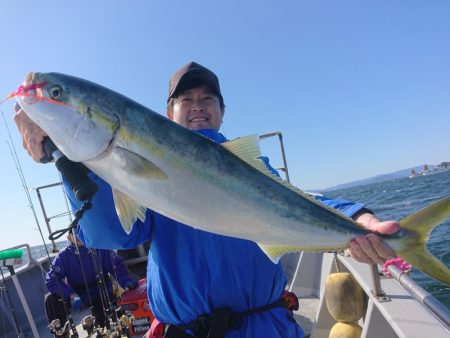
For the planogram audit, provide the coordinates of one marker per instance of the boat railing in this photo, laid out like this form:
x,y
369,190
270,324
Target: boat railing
x,y
284,168
425,298
26,246
406,310
48,218
134,264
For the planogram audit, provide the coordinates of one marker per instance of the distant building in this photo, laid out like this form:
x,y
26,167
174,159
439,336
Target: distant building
x,y
444,165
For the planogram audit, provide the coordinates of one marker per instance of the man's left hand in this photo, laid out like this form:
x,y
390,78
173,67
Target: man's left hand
x,y
370,248
131,284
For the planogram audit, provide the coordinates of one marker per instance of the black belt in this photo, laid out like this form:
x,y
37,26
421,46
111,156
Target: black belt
x,y
215,325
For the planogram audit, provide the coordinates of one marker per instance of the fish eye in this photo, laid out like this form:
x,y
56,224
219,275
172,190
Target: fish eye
x,y
55,92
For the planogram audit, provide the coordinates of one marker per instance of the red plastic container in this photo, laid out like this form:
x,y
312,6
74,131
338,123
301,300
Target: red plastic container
x,y
135,303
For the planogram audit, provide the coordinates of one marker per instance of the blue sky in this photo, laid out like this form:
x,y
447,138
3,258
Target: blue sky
x,y
358,88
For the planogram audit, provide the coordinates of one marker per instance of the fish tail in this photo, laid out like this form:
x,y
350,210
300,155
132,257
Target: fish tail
x,y
420,225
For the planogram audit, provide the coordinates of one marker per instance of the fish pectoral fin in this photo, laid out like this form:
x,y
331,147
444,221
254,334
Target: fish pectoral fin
x,y
140,166
128,210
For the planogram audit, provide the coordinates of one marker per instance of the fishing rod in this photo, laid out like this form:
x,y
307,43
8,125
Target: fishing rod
x,y
90,323
55,326
90,318
13,152
113,326
105,300
116,321
123,321
75,174
103,287
31,205
19,332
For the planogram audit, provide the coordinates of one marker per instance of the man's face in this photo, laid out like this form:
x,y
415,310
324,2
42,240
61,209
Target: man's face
x,y
75,241
198,108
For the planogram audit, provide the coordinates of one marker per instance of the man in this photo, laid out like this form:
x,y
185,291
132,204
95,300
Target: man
x,y
78,272
201,283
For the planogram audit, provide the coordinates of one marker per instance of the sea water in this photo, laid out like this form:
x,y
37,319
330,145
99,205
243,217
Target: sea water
x,y
398,198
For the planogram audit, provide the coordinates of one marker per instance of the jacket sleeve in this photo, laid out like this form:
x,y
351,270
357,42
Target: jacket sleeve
x,y
118,267
265,159
54,279
100,227
348,208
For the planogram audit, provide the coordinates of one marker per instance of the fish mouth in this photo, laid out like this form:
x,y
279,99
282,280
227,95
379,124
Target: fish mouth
x,y
29,79
29,91
31,87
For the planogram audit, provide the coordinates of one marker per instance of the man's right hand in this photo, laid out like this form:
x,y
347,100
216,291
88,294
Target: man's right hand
x,y
75,302
32,134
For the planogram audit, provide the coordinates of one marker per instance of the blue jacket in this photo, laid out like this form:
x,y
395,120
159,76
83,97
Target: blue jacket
x,y
191,272
66,274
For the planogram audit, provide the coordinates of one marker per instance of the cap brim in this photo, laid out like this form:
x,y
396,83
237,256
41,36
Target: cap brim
x,y
197,76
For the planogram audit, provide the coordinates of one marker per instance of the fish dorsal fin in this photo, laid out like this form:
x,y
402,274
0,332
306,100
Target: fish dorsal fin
x,y
247,149
128,210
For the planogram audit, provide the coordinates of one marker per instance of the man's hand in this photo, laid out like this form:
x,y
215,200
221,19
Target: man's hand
x,y
75,302
131,284
32,134
370,248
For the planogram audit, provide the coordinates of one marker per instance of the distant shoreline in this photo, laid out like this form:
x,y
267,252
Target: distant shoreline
x,y
390,176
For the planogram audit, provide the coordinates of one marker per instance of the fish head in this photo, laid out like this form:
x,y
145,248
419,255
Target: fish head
x,y
70,111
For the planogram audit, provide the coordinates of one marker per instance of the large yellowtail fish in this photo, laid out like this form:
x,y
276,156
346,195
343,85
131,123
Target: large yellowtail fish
x,y
152,162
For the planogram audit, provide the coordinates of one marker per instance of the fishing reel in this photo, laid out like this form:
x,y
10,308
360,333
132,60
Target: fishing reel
x,y
114,328
119,326
124,321
56,329
87,323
